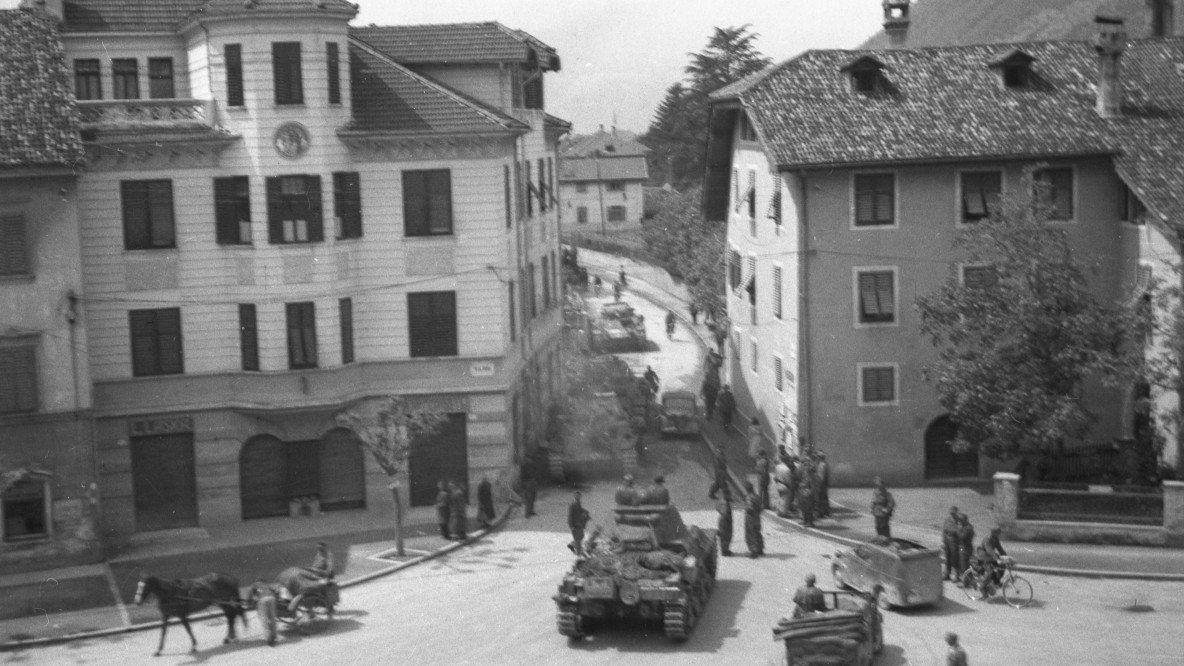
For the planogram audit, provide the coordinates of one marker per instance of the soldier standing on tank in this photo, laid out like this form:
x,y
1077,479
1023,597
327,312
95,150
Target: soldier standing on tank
x,y
658,493
883,506
724,507
577,520
443,508
626,494
752,522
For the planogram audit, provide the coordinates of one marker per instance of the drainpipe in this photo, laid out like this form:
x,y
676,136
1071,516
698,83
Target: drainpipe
x,y
805,422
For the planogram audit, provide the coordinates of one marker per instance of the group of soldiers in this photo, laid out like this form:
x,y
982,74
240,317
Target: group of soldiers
x,y
957,536
452,509
803,483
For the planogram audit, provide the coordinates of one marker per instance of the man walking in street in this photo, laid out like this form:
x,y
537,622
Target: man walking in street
x,y
955,656
752,522
720,482
883,506
965,545
709,390
458,518
724,507
782,475
822,487
726,402
807,490
762,477
949,542
443,508
577,520
530,490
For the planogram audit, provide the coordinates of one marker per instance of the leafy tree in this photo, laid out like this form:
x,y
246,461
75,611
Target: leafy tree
x,y
389,428
680,241
676,135
1017,344
1164,310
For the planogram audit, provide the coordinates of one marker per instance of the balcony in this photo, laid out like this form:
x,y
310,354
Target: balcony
x,y
146,114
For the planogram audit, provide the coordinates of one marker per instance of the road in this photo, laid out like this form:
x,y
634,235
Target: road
x,y
491,603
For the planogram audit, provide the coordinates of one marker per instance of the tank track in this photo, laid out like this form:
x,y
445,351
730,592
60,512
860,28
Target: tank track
x,y
569,623
678,625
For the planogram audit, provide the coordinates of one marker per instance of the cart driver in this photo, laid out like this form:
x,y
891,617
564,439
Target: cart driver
x,y
808,599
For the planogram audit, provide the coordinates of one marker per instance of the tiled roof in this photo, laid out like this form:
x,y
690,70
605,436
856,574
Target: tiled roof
x,y
610,168
616,142
945,103
37,112
456,43
954,22
390,98
250,8
126,15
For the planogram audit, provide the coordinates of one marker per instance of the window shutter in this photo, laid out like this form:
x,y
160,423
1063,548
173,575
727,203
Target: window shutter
x,y
530,191
865,206
777,292
445,323
884,200
226,210
168,331
248,327
868,303
18,379
142,324
513,314
135,214
333,59
13,252
346,308
506,193
286,70
775,205
885,295
778,380
275,210
316,217
542,189
415,203
160,78
233,54
347,190
440,201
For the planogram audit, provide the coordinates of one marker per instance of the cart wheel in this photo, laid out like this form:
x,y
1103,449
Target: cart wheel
x,y
314,609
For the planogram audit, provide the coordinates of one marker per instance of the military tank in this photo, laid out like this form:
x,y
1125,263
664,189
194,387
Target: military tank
x,y
651,567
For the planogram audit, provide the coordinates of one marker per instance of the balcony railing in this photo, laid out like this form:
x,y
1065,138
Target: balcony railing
x,y
146,114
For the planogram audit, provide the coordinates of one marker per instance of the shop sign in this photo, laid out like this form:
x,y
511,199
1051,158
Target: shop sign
x,y
165,426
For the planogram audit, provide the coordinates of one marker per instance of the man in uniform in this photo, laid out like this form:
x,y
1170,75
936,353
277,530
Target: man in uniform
x,y
753,537
577,520
443,508
782,476
965,544
459,520
530,490
724,507
883,506
989,553
955,656
807,490
626,494
808,599
726,403
949,542
762,477
658,493
822,487
720,481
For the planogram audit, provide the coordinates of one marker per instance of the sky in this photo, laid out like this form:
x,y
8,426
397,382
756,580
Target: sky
x,y
619,56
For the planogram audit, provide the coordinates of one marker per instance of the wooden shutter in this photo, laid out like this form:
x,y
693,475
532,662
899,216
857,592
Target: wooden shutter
x,y
302,335
160,213
777,292
885,295
506,193
778,379
275,210
231,206
14,255
134,196
334,63
125,78
286,71
142,325
439,186
879,384
432,323
530,193
775,204
444,320
18,379
513,314
885,199
316,217
415,203
546,283
248,336
168,335
542,189
347,199
234,74
868,302
346,312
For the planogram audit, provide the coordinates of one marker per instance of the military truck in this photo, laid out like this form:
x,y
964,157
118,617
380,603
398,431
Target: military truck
x,y
849,633
651,567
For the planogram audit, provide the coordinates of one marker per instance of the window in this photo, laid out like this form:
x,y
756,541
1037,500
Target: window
x,y
875,200
778,377
865,80
616,213
156,342
302,335
980,194
232,210
734,269
14,253
285,65
1133,210
777,292
333,60
533,92
345,308
582,215
88,84
736,189
432,323
427,202
18,376
876,296
529,194
294,210
755,355
160,78
1054,188
248,336
148,214
542,189
513,315
24,508
747,131
234,74
979,277
546,283
615,186
582,188
877,384
125,78
347,204
1015,75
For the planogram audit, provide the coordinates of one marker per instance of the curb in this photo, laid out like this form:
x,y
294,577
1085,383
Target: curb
x,y
11,646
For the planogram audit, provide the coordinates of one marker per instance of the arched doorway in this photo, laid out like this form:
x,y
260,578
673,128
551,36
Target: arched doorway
x,y
343,471
940,460
263,477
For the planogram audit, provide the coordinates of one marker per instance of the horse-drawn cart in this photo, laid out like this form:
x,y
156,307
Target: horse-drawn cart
x,y
298,597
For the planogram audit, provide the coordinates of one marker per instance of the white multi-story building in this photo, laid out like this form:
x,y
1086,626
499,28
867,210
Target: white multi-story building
x,y
601,179
282,217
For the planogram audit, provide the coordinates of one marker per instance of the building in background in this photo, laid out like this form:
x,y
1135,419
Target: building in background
x,y
843,193
282,216
48,504
601,177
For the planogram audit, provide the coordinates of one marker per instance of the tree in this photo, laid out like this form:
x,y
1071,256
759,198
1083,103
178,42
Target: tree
x,y
1017,342
1164,310
389,428
680,241
677,134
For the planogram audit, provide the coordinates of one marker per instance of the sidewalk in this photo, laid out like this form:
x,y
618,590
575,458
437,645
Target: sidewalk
x,y
59,602
919,511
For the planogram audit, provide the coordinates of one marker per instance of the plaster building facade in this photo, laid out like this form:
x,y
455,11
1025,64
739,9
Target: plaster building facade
x,y
283,216
601,177
843,193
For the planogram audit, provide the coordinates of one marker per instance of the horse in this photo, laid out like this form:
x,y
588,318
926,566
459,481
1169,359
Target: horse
x,y
182,596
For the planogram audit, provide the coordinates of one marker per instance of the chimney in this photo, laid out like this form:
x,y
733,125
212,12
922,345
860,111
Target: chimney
x,y
896,22
1162,15
1110,41
52,8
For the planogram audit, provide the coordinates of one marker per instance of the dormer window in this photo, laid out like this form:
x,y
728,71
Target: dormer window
x,y
867,75
1014,69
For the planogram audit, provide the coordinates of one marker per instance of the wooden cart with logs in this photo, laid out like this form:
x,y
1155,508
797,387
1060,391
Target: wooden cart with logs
x,y
849,633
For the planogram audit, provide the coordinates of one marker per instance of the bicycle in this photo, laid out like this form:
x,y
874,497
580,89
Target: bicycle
x,y
1016,590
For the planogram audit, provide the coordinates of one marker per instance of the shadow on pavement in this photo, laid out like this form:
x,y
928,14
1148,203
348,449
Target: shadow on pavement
x,y
945,607
718,623
891,655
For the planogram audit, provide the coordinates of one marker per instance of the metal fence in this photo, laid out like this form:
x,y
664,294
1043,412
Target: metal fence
x,y
1078,502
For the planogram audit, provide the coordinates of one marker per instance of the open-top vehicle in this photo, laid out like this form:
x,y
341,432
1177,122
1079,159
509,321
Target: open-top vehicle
x,y
680,413
909,573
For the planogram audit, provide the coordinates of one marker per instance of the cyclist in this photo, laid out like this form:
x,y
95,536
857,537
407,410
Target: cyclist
x,y
989,553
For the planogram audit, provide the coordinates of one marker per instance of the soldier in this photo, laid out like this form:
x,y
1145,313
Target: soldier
x,y
657,493
807,491
795,480
726,403
949,541
762,477
651,378
965,544
782,476
626,494
756,442
577,520
883,506
955,656
720,482
485,502
443,507
822,490
530,490
458,510
724,507
264,594
752,523
808,599
710,390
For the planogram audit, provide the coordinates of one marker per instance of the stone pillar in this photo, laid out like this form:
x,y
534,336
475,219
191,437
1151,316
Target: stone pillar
x,y
1173,509
1007,500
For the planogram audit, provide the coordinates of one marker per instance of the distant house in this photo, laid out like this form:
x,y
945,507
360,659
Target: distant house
x,y
844,178
600,179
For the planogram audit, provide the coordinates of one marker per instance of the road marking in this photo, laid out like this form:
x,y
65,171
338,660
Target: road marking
x,y
123,614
